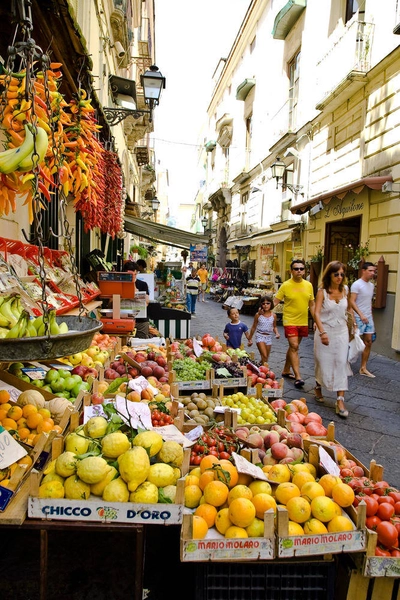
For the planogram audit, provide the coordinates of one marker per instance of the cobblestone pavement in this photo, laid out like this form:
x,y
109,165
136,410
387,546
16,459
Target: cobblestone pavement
x,y
372,429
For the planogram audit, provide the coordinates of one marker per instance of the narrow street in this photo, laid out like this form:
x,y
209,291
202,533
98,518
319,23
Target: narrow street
x,y
372,429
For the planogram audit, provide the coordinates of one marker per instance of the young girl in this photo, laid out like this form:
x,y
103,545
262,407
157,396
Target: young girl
x,y
235,329
264,326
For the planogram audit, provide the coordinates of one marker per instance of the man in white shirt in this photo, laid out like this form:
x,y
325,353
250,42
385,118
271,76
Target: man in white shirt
x,y
361,294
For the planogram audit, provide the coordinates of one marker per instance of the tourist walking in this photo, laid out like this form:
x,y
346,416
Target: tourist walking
x,y
192,291
202,274
361,294
234,330
264,327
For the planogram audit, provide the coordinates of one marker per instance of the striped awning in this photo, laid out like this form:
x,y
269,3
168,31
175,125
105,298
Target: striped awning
x,y
163,234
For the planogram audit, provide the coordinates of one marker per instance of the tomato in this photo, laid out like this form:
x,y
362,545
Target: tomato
x,y
214,452
231,449
385,511
387,499
225,455
396,523
380,487
387,534
375,496
373,522
372,506
397,508
196,460
395,496
221,447
395,553
198,448
357,499
379,551
156,414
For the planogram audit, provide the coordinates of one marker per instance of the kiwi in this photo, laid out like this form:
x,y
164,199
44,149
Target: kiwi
x,y
201,404
191,406
210,403
185,401
194,395
209,412
193,414
202,395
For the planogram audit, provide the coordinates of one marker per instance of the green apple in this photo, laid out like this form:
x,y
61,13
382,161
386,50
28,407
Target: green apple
x,y
58,385
75,359
47,388
17,366
38,382
69,383
77,378
25,378
64,373
51,375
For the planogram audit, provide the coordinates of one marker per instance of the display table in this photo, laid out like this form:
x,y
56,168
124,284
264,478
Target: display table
x,y
170,322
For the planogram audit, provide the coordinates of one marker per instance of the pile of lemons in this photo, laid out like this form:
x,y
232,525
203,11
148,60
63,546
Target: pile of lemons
x,y
144,469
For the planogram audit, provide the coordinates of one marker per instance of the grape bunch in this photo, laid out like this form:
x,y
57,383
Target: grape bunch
x,y
233,368
187,369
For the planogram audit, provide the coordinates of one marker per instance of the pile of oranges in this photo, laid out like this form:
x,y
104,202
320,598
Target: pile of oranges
x,y
25,423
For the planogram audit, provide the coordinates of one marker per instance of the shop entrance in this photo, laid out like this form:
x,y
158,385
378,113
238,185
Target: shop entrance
x,y
341,239
222,249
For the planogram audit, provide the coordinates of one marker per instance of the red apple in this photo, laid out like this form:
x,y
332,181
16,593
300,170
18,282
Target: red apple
x,y
279,451
97,398
79,370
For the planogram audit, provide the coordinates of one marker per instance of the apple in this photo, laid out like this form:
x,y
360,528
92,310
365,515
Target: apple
x,y
91,372
279,451
255,439
51,375
64,373
80,371
97,398
271,438
38,382
75,359
92,351
102,357
87,361
58,385
69,383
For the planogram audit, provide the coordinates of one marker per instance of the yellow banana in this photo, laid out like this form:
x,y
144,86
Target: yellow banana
x,y
19,328
16,307
3,332
54,327
30,329
35,158
10,159
5,310
3,321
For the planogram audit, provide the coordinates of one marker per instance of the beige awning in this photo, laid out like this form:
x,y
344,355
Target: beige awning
x,y
278,237
163,234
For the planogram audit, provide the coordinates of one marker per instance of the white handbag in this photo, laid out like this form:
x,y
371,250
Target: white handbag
x,y
356,346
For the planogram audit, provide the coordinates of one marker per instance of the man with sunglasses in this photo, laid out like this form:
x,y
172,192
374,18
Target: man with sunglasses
x,y
361,294
297,295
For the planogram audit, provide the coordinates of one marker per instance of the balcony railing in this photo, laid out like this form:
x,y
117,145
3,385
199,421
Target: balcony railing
x,y
350,53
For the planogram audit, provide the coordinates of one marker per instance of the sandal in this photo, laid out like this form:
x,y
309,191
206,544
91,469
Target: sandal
x,y
342,412
288,375
318,398
298,383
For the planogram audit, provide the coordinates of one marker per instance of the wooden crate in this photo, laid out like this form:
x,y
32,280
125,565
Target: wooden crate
x,y
259,391
378,566
221,549
372,588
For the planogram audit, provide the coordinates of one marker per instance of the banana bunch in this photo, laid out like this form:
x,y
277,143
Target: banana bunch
x,y
15,321
24,158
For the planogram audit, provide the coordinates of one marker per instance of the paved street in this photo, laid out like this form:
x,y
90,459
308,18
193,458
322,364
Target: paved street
x,y
372,429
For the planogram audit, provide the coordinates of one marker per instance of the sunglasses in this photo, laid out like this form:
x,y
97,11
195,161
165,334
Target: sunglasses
x,y
337,274
298,268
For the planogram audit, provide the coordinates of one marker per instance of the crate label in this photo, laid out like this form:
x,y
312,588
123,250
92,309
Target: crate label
x,y
194,385
266,392
325,543
382,566
101,512
228,549
94,410
34,372
5,497
231,382
10,450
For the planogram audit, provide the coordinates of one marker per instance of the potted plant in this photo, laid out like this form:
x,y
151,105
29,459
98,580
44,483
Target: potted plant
x,y
316,260
360,253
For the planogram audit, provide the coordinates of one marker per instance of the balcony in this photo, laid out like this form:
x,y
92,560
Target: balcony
x,y
282,124
342,70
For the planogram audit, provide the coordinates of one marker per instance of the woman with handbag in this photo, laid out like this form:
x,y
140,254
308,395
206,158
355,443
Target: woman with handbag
x,y
331,339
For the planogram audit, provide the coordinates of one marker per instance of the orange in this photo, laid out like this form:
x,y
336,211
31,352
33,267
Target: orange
x,y
314,526
6,407
340,523
263,502
195,472
328,481
216,493
279,473
222,520
323,508
208,512
4,396
256,528
5,482
23,432
46,426
15,412
242,512
207,462
33,420
301,478
200,527
285,491
342,494
260,487
205,478
28,409
192,496
3,414
244,479
57,428
9,423
191,480
22,422
35,439
46,414
25,460
240,491
236,532
311,490
295,528
227,473
299,509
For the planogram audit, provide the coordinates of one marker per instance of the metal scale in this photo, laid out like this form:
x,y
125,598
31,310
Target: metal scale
x,y
117,285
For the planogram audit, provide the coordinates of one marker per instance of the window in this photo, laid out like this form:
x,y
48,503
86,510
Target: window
x,y
353,6
248,138
294,77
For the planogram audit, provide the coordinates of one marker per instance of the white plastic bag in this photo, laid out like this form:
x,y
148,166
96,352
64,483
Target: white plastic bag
x,y
356,346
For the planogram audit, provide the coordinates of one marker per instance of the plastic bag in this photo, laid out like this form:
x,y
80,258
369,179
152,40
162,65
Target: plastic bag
x,y
356,346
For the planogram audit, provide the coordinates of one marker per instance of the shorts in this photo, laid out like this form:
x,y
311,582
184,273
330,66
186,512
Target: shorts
x,y
203,286
365,327
266,338
300,331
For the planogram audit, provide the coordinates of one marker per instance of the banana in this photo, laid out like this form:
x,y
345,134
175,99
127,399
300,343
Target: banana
x,y
10,159
38,322
30,329
3,332
54,327
16,307
35,158
3,321
5,310
19,328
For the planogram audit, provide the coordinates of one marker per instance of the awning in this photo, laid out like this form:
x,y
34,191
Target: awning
x,y
374,183
163,234
278,237
287,17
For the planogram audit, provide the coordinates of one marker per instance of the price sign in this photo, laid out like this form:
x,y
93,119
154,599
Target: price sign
x,y
140,383
10,450
327,462
94,410
197,349
244,466
136,414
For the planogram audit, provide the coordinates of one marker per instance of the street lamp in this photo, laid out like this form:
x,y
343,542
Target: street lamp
x,y
155,204
278,169
124,95
204,221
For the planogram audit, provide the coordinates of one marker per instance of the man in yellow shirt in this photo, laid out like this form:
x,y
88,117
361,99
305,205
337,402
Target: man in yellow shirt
x,y
298,297
202,274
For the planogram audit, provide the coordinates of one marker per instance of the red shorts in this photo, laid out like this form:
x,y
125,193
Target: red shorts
x,y
296,331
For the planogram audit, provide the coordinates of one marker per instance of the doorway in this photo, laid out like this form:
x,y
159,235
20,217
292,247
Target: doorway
x,y
222,248
341,239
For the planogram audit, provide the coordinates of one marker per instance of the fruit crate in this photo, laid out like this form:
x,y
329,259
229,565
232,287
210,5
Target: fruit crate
x,y
231,383
372,588
258,390
216,548
187,387
15,386
323,543
274,580
378,566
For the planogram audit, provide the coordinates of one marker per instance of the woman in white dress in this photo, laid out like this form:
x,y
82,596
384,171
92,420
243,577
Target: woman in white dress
x,y
331,339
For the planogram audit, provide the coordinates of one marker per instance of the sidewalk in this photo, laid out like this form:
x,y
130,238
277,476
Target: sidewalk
x,y
372,429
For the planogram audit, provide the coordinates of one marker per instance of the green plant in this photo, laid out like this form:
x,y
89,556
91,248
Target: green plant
x,y
143,253
359,253
319,255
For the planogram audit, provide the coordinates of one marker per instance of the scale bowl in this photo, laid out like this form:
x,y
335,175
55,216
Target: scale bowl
x,y
78,338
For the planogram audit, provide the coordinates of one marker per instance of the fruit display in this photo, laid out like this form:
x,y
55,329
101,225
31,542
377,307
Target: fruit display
x,y
188,369
252,410
261,374
199,408
16,321
275,445
299,419
219,441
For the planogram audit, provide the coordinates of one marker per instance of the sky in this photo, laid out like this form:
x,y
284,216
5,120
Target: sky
x,y
191,37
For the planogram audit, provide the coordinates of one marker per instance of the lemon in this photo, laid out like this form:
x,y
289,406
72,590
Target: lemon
x,y
150,440
134,465
146,493
116,491
51,489
76,489
76,443
66,464
171,453
177,474
170,492
98,488
115,444
92,469
161,475
51,467
96,427
52,477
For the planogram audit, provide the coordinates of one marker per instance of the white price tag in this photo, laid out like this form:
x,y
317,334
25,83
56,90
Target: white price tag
x,y
135,414
170,433
326,461
94,410
244,466
140,383
197,349
10,450
195,433
222,409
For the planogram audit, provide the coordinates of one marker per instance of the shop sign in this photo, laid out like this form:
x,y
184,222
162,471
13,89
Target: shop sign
x,y
343,208
198,253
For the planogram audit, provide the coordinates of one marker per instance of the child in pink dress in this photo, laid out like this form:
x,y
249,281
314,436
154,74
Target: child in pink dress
x,y
264,326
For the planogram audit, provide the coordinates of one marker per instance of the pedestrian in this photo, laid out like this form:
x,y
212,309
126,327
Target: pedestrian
x,y
361,294
297,295
141,263
264,326
234,330
202,273
331,339
192,291
142,325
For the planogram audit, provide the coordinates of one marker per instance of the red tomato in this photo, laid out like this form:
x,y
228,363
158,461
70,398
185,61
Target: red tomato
x,y
221,447
396,523
385,511
387,534
395,553
196,460
387,499
156,414
397,508
225,455
372,506
375,496
379,551
380,487
395,496
198,448
214,452
373,522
